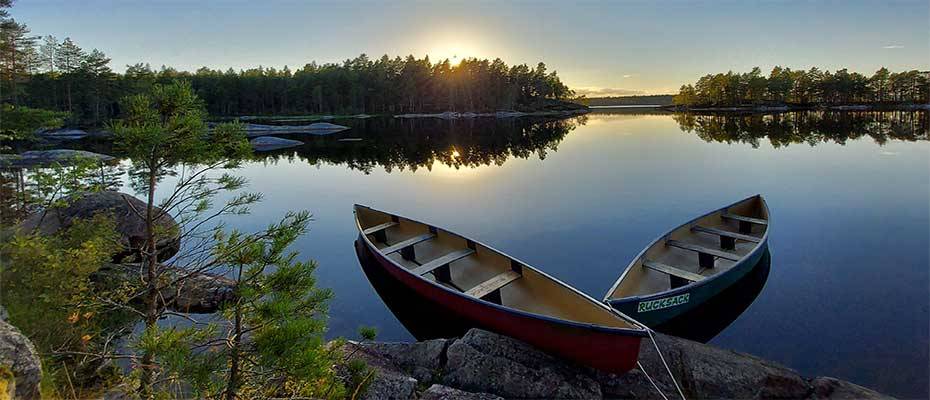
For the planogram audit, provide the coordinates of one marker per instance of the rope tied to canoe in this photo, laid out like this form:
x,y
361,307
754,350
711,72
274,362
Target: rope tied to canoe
x,y
667,369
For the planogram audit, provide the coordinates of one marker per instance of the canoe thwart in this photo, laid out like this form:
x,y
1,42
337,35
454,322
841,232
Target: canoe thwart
x,y
741,218
444,260
723,233
705,250
670,270
378,228
407,243
493,284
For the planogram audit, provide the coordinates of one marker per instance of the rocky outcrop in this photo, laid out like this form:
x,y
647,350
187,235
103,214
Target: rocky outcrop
x,y
196,293
484,365
123,208
318,128
18,356
45,158
269,143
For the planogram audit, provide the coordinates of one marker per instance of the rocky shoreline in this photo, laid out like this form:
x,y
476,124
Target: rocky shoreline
x,y
484,365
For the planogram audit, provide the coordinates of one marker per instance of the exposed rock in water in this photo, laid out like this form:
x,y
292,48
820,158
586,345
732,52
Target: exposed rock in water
x,y
122,208
269,143
19,355
61,134
482,365
197,293
44,158
318,128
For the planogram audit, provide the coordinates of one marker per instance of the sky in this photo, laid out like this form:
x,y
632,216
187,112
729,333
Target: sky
x,y
598,48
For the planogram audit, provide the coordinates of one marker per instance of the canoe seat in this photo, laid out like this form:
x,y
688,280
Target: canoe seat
x,y
745,223
407,243
727,239
493,284
378,228
705,254
442,261
676,272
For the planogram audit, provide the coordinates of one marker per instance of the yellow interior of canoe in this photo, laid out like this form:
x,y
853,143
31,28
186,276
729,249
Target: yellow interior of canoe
x,y
483,273
666,263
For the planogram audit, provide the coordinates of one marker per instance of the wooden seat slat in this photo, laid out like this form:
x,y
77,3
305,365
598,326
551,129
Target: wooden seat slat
x,y
446,259
407,243
721,232
668,269
493,284
750,220
377,228
701,249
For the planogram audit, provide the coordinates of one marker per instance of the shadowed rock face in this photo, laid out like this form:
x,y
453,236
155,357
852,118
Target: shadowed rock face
x,y
44,158
19,355
484,365
269,143
123,208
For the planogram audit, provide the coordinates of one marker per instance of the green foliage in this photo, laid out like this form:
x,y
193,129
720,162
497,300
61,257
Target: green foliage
x,y
367,332
784,86
46,282
20,122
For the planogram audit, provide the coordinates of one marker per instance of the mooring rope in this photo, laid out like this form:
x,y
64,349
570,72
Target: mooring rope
x,y
651,381
667,369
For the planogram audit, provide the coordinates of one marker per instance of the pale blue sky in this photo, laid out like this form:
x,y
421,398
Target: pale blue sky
x,y
620,46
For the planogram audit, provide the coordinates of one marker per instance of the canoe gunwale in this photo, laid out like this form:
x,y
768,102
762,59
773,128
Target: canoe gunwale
x,y
761,246
641,332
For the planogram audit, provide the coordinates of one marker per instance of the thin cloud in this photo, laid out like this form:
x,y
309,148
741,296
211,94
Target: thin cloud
x,y
893,46
629,75
605,92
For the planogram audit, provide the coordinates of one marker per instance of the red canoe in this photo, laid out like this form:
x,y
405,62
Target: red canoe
x,y
493,291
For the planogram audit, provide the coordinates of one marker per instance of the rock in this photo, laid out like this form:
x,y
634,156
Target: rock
x,y
318,128
269,143
390,386
485,362
440,392
130,226
3,314
19,355
832,388
705,371
61,134
199,293
422,360
45,158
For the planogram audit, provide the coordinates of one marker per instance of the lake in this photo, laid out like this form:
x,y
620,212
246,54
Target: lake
x,y
847,291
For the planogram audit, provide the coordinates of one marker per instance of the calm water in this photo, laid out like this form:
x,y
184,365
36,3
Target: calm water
x,y
847,292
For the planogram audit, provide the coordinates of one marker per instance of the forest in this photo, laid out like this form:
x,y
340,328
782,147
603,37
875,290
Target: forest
x,y
43,72
784,86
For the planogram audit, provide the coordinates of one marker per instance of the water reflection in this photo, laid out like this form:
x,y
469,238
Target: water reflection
x,y
401,144
811,127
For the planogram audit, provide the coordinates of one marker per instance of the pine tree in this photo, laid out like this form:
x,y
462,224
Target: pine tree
x,y
68,60
17,57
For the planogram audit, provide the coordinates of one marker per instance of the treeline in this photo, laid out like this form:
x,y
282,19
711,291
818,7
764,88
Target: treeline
x,y
637,100
60,75
784,86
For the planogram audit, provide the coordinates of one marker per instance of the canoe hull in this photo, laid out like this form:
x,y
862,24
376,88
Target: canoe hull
x,y
610,350
671,307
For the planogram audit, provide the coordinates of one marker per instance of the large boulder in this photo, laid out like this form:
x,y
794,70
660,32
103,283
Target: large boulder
x,y
123,208
18,355
196,293
482,361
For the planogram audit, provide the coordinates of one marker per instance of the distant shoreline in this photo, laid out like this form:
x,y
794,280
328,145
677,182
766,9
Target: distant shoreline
x,y
815,107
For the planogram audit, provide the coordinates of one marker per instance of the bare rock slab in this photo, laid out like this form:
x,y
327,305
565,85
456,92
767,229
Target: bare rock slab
x,y
19,355
270,143
440,392
46,158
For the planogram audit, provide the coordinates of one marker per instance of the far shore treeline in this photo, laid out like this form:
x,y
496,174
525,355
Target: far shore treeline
x,y
59,75
784,86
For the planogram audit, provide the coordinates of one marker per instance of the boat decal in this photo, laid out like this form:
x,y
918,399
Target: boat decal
x,y
666,302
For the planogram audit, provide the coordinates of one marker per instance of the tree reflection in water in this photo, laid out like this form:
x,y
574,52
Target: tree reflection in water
x,y
811,127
